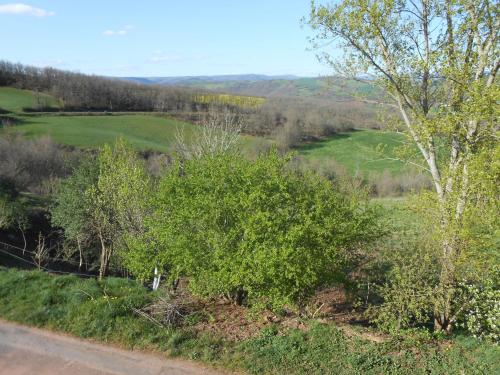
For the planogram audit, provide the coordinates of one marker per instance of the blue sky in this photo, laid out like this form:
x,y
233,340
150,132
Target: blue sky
x,y
160,38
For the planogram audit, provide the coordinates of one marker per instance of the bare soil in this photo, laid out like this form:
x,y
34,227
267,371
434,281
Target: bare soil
x,y
222,318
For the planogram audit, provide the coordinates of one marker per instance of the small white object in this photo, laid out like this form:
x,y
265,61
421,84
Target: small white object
x,y
156,280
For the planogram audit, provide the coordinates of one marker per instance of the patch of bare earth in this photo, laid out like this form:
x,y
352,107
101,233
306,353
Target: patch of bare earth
x,y
222,318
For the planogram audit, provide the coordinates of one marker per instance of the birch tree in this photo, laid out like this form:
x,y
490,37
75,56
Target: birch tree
x,y
438,61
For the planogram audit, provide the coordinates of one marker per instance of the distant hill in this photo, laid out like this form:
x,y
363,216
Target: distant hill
x,y
201,80
332,88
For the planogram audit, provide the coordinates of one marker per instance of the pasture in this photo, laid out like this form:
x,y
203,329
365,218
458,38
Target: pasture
x,y
356,150
15,100
143,132
360,151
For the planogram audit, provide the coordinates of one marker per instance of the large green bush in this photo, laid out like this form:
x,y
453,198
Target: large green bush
x,y
251,229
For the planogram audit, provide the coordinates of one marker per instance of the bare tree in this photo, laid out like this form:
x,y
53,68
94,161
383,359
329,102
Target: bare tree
x,y
218,133
41,253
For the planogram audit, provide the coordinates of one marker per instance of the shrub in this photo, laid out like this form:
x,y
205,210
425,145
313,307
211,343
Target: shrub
x,y
12,210
33,165
250,229
481,317
405,282
102,200
385,184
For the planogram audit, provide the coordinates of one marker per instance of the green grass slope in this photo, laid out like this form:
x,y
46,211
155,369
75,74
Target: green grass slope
x,y
14,100
357,151
103,311
144,132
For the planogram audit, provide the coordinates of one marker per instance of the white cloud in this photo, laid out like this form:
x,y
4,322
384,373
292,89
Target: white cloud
x,y
164,58
23,9
121,32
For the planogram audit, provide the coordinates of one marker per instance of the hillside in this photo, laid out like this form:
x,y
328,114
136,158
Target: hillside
x,y
355,150
332,88
144,131
200,80
15,100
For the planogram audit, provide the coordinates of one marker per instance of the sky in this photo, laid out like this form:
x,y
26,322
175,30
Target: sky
x,y
151,38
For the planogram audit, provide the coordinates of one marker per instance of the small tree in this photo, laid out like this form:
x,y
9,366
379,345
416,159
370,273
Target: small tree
x,y
219,132
7,211
73,206
438,60
119,198
103,201
13,213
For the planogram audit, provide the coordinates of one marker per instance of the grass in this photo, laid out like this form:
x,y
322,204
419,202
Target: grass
x,y
14,100
357,151
143,132
103,310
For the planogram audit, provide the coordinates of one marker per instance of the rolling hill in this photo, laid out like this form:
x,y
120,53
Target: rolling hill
x,y
332,88
15,100
355,150
144,131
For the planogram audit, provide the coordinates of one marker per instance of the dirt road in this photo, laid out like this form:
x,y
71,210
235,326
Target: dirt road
x,y
26,351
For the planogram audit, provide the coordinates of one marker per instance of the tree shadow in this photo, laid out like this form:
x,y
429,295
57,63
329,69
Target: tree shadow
x,y
320,143
9,120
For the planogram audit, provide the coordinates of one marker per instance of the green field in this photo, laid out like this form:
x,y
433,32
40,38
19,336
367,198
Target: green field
x,y
14,100
357,151
144,132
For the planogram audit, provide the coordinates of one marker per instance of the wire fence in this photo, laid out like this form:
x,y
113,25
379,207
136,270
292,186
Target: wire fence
x,y
43,268
5,247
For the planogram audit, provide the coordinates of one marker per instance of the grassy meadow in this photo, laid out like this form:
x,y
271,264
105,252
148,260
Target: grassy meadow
x,y
356,151
142,131
14,100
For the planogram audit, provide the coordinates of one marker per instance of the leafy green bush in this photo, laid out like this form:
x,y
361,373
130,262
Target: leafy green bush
x,y
250,229
12,211
408,290
481,317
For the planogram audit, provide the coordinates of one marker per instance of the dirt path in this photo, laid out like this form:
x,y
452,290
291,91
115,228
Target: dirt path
x,y
26,351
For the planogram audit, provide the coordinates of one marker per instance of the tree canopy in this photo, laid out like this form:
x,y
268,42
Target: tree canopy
x,y
438,61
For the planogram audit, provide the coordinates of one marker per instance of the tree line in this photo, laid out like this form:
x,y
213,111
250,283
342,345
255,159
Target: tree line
x,y
81,92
